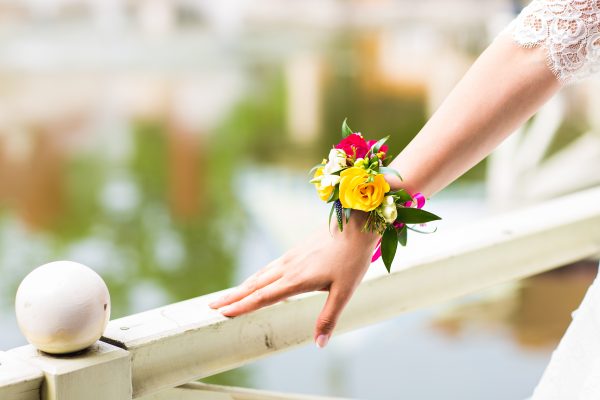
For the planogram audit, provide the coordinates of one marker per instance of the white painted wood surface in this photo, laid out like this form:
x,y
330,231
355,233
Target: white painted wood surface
x,y
184,341
203,391
18,379
100,373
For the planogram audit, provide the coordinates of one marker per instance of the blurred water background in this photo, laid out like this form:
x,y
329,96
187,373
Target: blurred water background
x,y
165,144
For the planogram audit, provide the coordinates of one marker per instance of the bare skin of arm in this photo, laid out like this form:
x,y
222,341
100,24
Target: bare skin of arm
x,y
504,87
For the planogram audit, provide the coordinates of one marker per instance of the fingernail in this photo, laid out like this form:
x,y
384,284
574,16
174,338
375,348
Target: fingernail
x,y
322,341
225,310
213,304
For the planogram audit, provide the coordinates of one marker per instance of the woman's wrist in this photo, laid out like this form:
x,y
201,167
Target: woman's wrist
x,y
353,232
394,182
407,184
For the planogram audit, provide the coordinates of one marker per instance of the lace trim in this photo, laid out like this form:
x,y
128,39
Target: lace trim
x,y
568,29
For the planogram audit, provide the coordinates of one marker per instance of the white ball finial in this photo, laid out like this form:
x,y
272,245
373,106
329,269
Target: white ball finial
x,y
62,307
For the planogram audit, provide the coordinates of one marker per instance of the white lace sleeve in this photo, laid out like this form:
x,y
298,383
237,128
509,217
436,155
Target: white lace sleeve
x,y
568,29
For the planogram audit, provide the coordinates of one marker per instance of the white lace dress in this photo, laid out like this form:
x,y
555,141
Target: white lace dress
x,y
568,29
570,32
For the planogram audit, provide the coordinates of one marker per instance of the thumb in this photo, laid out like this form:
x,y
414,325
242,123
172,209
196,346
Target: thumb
x,y
336,301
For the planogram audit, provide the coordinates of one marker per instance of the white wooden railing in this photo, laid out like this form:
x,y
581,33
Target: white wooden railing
x,y
154,354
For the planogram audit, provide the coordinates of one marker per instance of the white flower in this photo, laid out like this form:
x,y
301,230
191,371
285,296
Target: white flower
x,y
329,180
337,161
388,200
389,213
326,180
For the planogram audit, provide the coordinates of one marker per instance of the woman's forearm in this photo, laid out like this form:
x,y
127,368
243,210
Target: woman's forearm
x,y
503,88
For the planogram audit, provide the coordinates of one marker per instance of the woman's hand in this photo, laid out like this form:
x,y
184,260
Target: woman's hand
x,y
333,261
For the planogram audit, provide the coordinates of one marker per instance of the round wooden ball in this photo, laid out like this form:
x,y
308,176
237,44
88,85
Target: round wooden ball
x,y
62,307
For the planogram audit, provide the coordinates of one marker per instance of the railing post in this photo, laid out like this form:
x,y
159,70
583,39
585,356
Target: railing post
x,y
18,379
102,372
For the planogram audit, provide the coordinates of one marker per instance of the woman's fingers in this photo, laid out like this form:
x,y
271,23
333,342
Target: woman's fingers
x,y
268,295
336,301
262,278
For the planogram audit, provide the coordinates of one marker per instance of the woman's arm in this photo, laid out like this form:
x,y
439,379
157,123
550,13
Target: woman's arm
x,y
503,88
560,41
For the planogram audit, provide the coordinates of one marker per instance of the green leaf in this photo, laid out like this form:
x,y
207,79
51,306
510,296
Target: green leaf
x,y
420,231
389,171
346,131
335,194
375,148
402,195
331,214
347,211
313,169
403,235
415,216
389,243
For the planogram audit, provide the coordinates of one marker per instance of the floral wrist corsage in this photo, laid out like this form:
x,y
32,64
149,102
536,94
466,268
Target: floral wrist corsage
x,y
352,178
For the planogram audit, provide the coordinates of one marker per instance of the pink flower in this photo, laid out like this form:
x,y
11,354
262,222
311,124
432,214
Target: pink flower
x,y
354,145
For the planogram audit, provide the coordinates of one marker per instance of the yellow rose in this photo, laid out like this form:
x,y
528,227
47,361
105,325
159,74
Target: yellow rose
x,y
323,191
357,193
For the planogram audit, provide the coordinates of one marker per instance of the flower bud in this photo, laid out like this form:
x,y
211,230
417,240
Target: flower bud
x,y
389,200
389,213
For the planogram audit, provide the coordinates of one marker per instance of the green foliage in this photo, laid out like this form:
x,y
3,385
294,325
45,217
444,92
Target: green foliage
x,y
389,171
389,243
331,214
401,194
348,212
314,169
403,235
346,131
421,231
415,216
335,194
375,148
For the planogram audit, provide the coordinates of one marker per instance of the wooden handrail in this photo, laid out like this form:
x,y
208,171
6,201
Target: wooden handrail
x,y
173,345
184,341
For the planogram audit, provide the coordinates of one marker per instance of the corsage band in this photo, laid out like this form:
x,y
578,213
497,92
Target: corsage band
x,y
352,178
